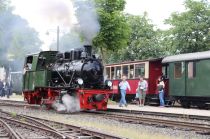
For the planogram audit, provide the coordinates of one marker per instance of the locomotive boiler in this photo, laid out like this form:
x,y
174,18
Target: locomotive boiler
x,y
77,67
49,75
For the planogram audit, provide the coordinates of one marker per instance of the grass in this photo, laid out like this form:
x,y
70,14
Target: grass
x,y
110,102
13,114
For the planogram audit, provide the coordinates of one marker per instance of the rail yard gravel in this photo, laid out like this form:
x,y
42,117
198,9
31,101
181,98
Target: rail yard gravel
x,y
129,130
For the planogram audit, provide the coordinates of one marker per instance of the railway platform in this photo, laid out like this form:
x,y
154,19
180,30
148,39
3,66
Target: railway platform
x,y
174,110
13,97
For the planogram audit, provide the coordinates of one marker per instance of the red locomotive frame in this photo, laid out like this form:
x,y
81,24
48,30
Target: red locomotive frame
x,y
47,96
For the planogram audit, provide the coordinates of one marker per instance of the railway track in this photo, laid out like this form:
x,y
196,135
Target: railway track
x,y
18,104
142,119
161,114
120,111
25,127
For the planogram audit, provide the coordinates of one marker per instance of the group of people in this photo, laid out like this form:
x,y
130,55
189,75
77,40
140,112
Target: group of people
x,y
141,91
5,89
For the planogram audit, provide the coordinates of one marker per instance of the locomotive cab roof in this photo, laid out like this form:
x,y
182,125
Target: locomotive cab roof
x,y
41,52
187,57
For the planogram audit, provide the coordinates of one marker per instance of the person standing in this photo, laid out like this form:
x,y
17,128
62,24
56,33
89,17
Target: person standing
x,y
160,88
141,90
1,88
9,89
124,85
4,88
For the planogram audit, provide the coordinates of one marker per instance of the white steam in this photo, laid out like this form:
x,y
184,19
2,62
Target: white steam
x,y
70,104
55,12
87,18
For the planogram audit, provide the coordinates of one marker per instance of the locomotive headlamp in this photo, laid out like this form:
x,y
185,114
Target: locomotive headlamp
x,y
80,81
109,83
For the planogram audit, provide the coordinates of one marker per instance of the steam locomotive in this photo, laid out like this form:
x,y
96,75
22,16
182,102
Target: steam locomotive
x,y
50,75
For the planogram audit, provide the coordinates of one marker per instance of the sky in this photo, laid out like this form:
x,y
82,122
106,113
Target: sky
x,y
157,10
45,15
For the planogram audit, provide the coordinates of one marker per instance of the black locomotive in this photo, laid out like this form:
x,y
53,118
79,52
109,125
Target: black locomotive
x,y
52,74
77,67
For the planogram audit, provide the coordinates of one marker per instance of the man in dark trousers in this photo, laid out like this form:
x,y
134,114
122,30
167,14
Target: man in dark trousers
x,y
9,89
1,88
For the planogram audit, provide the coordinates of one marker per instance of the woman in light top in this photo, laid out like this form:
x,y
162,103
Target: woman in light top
x,y
141,90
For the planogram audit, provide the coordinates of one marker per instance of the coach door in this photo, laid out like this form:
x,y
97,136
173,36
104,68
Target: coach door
x,y
178,79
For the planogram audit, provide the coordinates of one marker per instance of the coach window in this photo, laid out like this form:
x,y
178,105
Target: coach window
x,y
177,70
165,71
191,70
118,72
108,72
112,73
131,71
139,70
125,70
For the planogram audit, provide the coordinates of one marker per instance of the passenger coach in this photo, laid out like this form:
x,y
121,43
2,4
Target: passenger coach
x,y
150,69
189,76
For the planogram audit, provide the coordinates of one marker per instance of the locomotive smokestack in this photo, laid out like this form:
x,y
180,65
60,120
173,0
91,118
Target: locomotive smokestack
x,y
88,49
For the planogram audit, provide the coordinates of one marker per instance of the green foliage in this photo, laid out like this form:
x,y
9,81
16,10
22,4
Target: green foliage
x,y
13,114
190,31
114,32
144,41
3,4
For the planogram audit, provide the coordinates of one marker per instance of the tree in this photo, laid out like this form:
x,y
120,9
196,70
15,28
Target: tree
x,y
16,38
144,41
114,32
3,4
190,31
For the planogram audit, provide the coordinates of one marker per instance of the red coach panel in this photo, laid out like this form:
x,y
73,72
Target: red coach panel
x,y
149,69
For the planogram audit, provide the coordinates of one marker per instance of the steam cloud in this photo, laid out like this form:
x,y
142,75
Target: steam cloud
x,y
70,104
87,19
87,25
59,12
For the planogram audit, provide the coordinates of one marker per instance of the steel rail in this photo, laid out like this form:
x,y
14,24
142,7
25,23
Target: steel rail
x,y
24,124
79,129
153,121
139,112
175,115
11,133
69,131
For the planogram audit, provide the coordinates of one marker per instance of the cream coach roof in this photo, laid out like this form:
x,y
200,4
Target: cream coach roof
x,y
187,57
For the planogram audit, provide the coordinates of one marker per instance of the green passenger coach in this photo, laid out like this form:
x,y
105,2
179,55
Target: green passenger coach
x,y
189,78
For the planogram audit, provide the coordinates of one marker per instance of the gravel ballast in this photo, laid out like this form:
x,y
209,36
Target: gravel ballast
x,y
134,131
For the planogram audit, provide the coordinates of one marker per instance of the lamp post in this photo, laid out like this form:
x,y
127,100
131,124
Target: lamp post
x,y
58,35
58,32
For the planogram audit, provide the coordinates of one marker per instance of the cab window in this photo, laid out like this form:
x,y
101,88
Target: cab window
x,y
29,61
139,70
